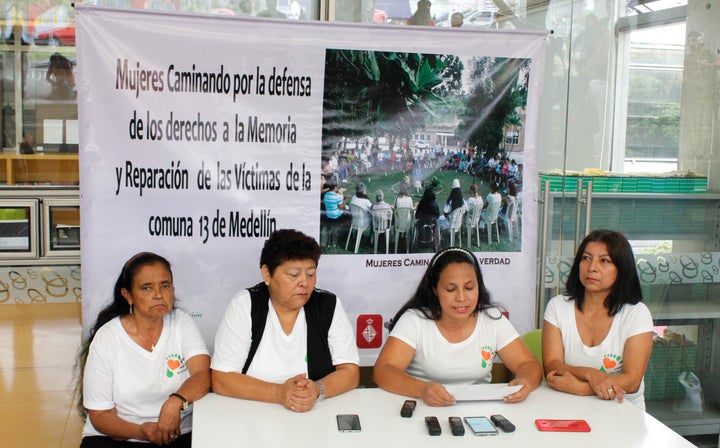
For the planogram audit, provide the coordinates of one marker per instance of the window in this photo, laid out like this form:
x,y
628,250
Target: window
x,y
652,128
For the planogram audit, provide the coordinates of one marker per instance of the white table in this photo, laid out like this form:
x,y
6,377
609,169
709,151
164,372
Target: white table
x,y
230,422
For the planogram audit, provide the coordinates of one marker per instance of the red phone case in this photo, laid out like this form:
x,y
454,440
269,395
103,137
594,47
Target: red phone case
x,y
560,425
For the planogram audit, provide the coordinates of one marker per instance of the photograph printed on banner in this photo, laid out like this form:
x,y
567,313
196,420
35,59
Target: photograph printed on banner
x,y
422,152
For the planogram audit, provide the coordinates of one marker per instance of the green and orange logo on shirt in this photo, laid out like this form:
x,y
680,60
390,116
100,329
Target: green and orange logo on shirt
x,y
487,354
611,362
175,364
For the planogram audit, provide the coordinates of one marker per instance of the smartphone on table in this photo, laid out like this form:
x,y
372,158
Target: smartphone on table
x,y
481,426
562,425
348,422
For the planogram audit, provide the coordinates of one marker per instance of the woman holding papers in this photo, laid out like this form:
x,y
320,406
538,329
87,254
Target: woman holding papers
x,y
597,337
448,333
283,340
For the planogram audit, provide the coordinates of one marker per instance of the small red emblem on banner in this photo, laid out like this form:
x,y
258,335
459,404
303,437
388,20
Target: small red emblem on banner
x,y
369,331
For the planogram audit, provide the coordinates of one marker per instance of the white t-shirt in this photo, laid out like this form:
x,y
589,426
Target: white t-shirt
x,y
361,202
122,375
493,198
631,320
404,202
473,201
440,361
295,10
279,356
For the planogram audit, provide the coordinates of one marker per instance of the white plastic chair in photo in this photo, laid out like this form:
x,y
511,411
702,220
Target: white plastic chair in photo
x,y
456,221
381,219
360,222
490,217
510,217
404,223
472,222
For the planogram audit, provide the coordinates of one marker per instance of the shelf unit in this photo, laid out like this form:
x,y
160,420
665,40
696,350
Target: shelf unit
x,y
39,169
39,226
686,424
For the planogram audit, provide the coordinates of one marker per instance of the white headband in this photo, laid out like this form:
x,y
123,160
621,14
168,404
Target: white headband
x,y
465,252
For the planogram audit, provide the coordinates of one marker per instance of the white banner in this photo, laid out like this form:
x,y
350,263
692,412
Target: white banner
x,y
199,135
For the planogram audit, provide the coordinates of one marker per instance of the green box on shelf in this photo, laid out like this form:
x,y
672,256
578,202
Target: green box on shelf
x,y
672,185
642,184
556,182
658,185
615,184
599,184
629,184
699,185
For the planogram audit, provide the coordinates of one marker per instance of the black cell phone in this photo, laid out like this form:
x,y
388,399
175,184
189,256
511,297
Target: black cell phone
x,y
348,422
407,408
456,426
502,423
433,426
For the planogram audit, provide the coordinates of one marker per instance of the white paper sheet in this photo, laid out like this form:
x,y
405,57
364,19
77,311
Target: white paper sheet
x,y
52,131
71,132
476,392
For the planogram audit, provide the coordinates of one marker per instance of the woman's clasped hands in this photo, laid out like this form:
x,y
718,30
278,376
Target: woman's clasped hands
x,y
298,393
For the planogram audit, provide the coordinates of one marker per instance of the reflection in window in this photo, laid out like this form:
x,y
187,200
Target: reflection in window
x,y
14,229
654,96
64,228
50,103
7,113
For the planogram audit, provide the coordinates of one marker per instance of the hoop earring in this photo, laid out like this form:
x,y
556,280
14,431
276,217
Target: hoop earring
x,y
131,308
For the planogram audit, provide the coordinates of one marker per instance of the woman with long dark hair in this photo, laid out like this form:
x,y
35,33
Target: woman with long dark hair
x,y
144,363
597,337
448,333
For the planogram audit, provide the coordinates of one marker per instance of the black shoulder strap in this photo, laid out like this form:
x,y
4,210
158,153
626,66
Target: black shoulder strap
x,y
259,297
319,311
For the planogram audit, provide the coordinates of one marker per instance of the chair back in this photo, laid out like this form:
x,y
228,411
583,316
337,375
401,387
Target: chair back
x,y
404,219
533,340
360,217
511,210
491,214
381,218
456,218
473,215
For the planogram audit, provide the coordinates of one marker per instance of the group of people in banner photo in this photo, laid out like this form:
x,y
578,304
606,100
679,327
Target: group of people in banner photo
x,y
369,190
286,341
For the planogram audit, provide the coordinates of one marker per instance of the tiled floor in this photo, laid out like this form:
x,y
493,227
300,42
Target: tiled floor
x,y
38,345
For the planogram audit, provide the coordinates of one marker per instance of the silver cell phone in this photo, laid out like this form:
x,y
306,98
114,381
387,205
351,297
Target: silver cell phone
x,y
348,422
481,426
